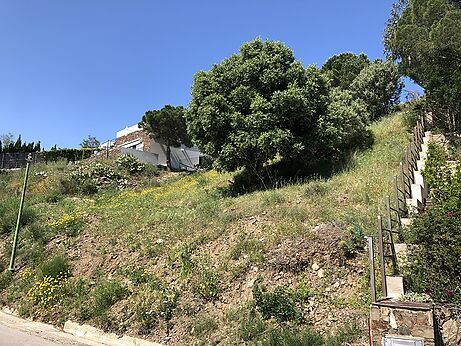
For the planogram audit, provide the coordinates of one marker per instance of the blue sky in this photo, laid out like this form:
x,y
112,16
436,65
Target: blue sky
x,y
73,68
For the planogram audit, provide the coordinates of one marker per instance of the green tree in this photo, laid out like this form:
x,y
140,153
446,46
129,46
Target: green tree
x,y
345,123
424,36
257,106
90,142
342,69
167,126
379,86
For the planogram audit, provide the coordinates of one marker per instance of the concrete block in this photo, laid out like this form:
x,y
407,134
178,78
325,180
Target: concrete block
x,y
414,206
394,286
406,221
417,192
420,164
91,335
419,179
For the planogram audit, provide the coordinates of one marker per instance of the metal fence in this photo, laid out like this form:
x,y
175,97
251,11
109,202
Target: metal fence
x,y
16,160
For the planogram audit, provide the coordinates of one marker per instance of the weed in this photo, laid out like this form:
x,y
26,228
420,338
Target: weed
x,y
49,290
55,267
204,325
251,327
354,243
106,294
206,283
279,304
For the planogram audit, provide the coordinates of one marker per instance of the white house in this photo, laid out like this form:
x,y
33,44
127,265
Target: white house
x,y
135,141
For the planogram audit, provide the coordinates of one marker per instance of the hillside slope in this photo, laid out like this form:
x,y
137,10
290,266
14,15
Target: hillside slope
x,y
179,260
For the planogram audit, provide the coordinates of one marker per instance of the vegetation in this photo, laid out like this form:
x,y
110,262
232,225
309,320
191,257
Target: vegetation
x,y
433,266
261,108
424,37
169,255
167,126
90,142
8,145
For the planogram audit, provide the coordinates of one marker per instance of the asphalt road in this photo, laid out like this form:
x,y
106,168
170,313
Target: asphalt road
x,y
17,332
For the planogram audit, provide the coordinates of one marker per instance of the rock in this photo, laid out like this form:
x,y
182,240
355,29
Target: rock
x,y
321,273
451,333
315,266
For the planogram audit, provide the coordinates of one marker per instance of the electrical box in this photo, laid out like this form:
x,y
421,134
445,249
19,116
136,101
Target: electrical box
x,y
402,341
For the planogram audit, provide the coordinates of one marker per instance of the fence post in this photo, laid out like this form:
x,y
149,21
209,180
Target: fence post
x,y
3,159
21,206
382,264
371,253
397,203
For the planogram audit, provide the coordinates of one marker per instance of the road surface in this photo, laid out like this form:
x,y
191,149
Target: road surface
x,y
18,332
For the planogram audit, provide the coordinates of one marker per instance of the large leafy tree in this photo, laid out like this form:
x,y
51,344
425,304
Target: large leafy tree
x,y
257,106
342,69
424,36
378,86
167,126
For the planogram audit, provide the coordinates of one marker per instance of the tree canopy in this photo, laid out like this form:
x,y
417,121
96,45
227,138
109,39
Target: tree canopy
x,y
90,142
167,126
9,145
342,69
424,36
261,105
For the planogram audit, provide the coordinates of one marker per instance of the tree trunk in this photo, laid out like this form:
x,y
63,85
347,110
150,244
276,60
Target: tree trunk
x,y
168,156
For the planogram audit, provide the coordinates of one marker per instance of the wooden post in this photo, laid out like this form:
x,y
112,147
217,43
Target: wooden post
x,y
382,264
371,253
402,178
397,204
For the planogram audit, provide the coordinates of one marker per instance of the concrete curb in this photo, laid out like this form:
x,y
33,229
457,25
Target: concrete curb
x,y
89,333
74,334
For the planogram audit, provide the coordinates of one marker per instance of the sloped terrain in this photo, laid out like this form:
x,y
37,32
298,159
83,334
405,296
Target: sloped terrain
x,y
177,259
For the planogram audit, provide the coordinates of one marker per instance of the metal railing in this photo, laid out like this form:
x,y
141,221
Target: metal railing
x,y
396,207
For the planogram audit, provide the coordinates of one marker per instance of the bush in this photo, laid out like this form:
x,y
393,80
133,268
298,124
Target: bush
x,y
9,213
106,294
55,267
433,266
280,304
345,124
93,176
379,86
131,164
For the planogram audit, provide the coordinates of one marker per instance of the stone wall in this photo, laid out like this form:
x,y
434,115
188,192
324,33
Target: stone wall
x,y
133,136
392,318
448,319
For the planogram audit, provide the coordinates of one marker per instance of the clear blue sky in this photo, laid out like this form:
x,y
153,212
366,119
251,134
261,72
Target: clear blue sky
x,y
73,68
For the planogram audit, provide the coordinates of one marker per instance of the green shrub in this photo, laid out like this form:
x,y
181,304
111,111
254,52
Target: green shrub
x,y
131,164
206,283
280,304
106,294
288,337
93,176
56,266
434,265
354,243
9,213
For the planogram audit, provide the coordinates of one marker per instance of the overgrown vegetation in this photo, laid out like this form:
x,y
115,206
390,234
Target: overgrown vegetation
x,y
261,109
433,266
168,255
423,36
